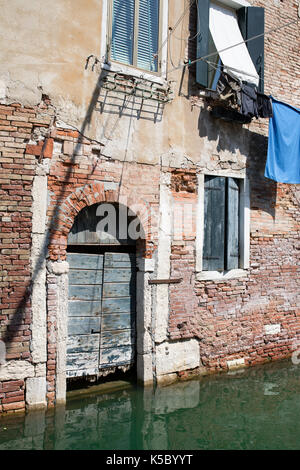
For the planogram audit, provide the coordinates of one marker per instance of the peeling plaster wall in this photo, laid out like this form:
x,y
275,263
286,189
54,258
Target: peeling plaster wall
x,y
54,65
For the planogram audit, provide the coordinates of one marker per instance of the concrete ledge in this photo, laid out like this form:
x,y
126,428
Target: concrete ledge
x,y
108,387
36,406
168,379
175,357
36,393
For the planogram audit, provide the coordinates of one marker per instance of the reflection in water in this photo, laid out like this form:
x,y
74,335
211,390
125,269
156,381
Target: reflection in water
x,y
254,409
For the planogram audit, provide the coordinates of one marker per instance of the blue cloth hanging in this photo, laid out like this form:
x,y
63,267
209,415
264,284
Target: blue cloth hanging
x,y
283,160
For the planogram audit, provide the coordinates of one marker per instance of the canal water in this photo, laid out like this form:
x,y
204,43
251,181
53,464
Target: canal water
x,y
257,408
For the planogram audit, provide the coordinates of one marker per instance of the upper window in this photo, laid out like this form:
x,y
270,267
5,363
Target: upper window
x,y
134,33
222,31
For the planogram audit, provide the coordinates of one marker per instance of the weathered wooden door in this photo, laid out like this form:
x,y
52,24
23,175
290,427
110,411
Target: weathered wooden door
x,y
101,321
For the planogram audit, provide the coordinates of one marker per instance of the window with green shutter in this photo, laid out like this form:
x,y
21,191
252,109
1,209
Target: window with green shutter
x,y
250,23
135,33
221,223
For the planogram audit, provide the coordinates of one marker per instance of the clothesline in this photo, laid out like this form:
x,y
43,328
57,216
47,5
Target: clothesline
x,y
217,66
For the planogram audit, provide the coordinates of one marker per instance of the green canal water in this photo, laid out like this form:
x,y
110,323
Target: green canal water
x,y
258,408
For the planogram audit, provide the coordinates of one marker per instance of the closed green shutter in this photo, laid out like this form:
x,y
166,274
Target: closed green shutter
x,y
232,229
214,223
202,42
148,35
123,31
252,23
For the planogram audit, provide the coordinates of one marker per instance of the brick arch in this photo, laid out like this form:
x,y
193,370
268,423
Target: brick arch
x,y
87,196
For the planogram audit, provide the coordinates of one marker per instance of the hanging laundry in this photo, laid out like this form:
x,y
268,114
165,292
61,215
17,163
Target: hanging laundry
x,y
264,105
249,101
229,88
283,160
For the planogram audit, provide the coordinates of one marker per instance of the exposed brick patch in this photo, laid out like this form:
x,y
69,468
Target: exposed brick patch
x,y
184,181
12,396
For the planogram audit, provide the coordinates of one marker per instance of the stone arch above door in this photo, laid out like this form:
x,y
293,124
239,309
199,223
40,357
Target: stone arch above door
x,y
63,217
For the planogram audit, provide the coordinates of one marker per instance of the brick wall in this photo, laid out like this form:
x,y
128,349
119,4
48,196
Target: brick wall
x,y
18,127
80,177
228,317
17,170
12,395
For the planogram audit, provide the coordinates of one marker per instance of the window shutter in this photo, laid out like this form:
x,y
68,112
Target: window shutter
x,y
252,23
202,42
232,235
214,223
122,31
148,35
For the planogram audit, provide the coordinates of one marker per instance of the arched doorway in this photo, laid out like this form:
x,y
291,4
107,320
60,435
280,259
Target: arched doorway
x,y
102,291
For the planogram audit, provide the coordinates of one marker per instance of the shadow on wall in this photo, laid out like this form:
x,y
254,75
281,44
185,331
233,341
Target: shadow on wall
x,y
21,309
231,136
19,316
121,95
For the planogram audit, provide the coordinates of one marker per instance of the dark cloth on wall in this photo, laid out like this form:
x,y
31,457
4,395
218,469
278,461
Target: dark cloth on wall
x,y
249,101
264,106
244,97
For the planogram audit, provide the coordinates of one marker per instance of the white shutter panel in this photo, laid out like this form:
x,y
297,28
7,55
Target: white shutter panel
x,y
122,31
148,35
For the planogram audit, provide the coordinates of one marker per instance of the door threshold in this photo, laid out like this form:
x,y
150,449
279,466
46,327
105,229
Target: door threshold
x,y
107,387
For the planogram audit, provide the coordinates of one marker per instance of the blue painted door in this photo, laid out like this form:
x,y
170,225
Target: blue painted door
x,y
101,321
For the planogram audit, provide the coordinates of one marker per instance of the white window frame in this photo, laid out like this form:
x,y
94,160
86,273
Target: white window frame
x,y
235,4
244,225
106,64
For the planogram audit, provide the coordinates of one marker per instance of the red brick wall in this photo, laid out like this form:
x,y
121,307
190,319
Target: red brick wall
x,y
77,179
16,175
12,395
228,316
18,125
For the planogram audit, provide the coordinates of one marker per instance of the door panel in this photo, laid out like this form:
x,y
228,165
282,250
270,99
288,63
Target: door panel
x,y
82,276
121,355
117,343
101,321
82,343
116,305
84,261
110,322
83,308
83,325
85,290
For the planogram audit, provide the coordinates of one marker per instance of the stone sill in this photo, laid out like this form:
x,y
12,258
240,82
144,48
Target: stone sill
x,y
133,72
216,275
